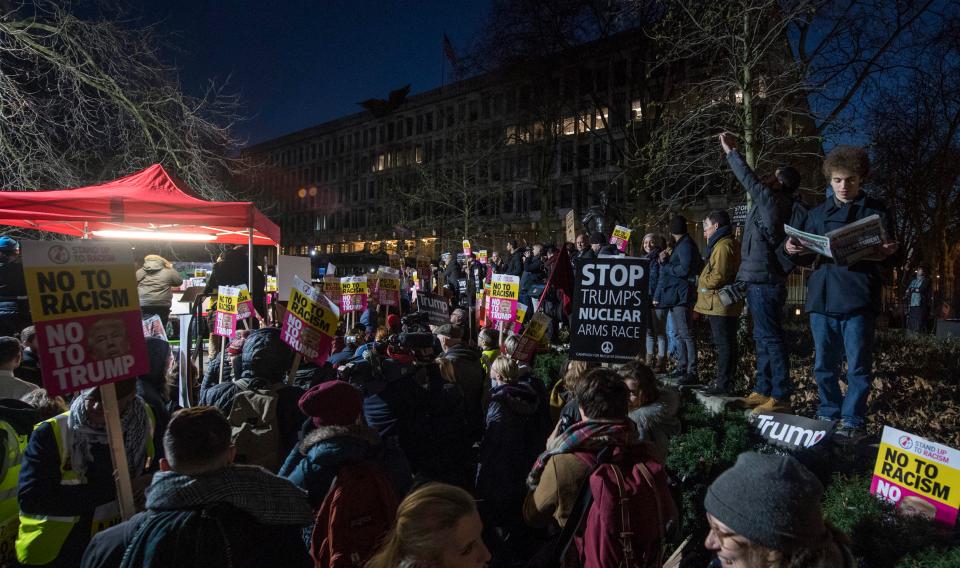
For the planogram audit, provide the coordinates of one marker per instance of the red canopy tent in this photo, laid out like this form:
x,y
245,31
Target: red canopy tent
x,y
148,201
149,204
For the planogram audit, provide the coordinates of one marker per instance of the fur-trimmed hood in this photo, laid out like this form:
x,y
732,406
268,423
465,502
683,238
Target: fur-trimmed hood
x,y
349,435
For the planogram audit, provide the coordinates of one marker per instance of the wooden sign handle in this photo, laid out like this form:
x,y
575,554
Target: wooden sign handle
x,y
294,368
111,412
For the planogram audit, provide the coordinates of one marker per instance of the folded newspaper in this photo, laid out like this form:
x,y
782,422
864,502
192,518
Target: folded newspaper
x,y
848,244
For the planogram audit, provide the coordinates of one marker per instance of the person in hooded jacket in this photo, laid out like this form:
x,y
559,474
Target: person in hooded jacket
x,y
653,408
151,386
510,445
66,490
250,517
154,282
265,360
335,439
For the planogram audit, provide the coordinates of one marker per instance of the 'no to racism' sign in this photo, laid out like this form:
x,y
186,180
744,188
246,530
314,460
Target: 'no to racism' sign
x,y
608,320
83,298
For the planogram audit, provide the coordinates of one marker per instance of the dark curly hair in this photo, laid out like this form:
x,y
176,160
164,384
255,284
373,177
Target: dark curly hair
x,y
847,158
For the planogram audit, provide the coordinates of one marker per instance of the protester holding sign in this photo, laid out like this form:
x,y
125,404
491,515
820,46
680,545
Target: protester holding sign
x,y
657,322
846,318
723,259
67,491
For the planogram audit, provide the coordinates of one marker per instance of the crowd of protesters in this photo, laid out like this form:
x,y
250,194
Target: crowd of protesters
x,y
433,446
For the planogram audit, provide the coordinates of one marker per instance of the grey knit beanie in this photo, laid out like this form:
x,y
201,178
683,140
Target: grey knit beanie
x,y
771,500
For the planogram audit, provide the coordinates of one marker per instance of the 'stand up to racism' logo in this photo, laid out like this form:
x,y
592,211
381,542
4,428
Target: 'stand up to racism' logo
x,y
58,254
905,442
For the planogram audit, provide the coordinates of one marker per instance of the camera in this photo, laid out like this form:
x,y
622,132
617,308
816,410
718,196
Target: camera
x,y
416,322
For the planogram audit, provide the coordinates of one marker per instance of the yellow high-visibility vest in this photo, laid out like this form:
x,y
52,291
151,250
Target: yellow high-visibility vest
x,y
41,537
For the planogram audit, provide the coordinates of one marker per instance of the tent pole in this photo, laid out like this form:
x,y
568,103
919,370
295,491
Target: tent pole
x,y
250,260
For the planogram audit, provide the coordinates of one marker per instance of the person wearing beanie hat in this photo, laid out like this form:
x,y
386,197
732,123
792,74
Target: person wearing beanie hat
x,y
338,438
14,310
765,512
676,293
678,225
394,323
764,268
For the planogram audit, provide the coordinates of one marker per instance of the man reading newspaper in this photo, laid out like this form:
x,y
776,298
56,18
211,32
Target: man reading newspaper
x,y
843,297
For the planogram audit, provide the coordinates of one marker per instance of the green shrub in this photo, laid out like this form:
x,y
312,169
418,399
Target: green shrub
x,y
932,558
548,366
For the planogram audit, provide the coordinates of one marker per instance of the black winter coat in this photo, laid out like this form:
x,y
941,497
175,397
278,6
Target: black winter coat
x,y
763,230
675,286
844,290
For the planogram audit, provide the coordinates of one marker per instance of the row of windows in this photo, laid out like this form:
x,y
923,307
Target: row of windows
x,y
579,196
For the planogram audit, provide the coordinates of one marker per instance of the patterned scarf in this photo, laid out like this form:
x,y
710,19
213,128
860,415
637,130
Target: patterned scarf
x,y
586,435
83,435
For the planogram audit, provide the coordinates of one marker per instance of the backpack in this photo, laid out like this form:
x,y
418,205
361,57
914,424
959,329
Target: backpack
x,y
215,535
628,506
354,517
254,428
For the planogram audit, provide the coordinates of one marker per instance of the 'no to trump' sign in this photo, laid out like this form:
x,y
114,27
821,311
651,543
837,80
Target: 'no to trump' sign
x,y
504,293
83,298
609,306
310,322
920,477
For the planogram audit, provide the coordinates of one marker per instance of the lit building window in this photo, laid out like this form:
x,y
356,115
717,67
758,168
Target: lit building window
x,y
511,135
569,125
738,96
636,109
302,193
600,118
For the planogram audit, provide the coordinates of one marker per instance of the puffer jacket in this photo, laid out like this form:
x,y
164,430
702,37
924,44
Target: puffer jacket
x,y
720,270
763,229
510,445
314,463
154,282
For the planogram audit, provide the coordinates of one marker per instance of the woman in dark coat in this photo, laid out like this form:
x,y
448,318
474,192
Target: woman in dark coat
x,y
657,330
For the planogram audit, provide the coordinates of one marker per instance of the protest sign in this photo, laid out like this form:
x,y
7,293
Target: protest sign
x,y
84,302
504,292
388,286
153,327
271,283
310,322
287,268
608,320
353,293
435,306
532,338
331,288
228,300
920,477
521,313
424,273
467,250
570,226
395,261
791,432
621,237
482,256
331,269
244,303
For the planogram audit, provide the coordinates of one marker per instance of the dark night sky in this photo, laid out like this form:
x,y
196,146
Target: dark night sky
x,y
298,63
